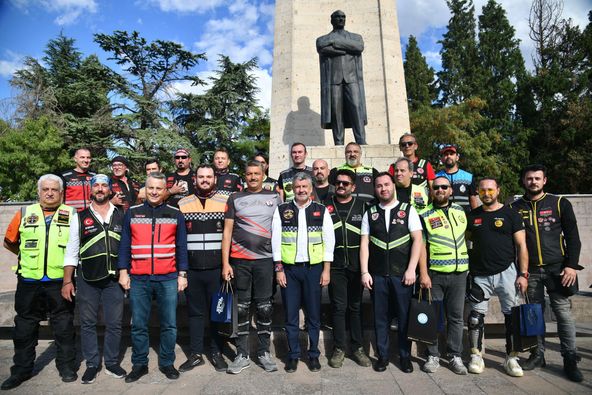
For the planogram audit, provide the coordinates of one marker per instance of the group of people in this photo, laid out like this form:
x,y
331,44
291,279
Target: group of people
x,y
93,238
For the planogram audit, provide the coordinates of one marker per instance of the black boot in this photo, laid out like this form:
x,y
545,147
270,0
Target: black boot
x,y
570,367
536,360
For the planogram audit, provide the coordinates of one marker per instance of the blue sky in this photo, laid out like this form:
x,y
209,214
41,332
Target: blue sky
x,y
238,28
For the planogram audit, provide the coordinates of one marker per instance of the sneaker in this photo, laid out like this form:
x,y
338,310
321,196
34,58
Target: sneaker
x,y
535,360
89,375
218,362
336,360
457,366
239,364
476,364
512,367
431,365
361,358
115,371
267,362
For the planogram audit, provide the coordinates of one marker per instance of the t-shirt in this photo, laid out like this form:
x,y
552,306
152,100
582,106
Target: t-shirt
x,y
188,180
492,233
324,193
252,214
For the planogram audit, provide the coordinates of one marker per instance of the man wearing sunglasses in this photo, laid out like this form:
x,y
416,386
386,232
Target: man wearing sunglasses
x,y
365,175
181,183
443,269
423,172
464,190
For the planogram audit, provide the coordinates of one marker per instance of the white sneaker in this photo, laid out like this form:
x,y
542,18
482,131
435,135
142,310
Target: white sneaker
x,y
476,364
512,367
431,365
457,366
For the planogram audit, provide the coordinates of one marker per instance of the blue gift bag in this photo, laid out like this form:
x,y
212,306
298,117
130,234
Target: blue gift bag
x,y
532,321
222,304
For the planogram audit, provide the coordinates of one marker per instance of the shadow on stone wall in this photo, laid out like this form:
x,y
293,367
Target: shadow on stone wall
x,y
304,125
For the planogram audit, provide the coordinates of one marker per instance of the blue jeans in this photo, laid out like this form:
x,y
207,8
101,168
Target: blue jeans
x,y
165,293
89,296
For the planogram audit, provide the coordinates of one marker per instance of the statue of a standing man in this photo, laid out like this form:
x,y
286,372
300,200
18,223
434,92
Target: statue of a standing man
x,y
343,102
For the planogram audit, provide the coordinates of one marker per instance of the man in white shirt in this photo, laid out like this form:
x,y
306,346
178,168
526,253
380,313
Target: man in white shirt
x,y
389,252
93,248
302,242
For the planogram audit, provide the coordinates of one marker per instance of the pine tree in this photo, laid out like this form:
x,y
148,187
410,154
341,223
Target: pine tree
x,y
419,77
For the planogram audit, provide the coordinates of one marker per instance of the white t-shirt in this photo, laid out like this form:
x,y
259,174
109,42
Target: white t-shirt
x,y
413,224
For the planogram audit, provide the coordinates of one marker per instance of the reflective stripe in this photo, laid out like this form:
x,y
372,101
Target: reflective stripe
x,y
142,256
204,246
155,246
205,237
398,242
354,229
379,243
289,239
337,225
315,239
445,241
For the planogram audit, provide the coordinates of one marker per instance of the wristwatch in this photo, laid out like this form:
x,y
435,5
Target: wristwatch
x,y
183,274
278,268
524,274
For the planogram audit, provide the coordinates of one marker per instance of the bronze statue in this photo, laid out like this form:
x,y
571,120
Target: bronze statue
x,y
343,102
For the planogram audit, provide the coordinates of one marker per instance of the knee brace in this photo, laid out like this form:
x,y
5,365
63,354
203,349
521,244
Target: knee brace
x,y
476,325
264,312
475,293
243,317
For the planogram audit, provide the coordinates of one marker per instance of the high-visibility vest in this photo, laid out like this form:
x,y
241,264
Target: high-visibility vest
x,y
314,226
42,249
364,181
347,233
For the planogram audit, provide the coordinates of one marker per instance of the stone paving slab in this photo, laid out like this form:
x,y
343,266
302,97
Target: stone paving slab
x,y
351,379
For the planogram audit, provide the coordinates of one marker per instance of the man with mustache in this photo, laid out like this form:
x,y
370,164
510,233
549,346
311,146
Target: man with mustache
x,y
181,183
464,190
423,172
322,189
416,195
365,175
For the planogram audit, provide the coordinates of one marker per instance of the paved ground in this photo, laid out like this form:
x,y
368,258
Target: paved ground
x,y
351,379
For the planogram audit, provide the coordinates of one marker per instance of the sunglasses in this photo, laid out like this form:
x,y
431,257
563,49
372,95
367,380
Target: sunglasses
x,y
483,191
181,157
442,187
344,183
406,144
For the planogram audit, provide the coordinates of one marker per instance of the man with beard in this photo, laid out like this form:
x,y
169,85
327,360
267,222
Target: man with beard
x,y
498,236
322,189
302,243
92,250
124,189
204,219
408,192
443,269
390,247
181,183
423,172
464,191
77,181
226,181
247,257
269,184
365,175
298,154
345,288
554,249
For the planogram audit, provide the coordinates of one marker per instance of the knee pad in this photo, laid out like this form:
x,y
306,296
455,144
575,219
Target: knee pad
x,y
243,311
264,311
476,320
475,293
476,326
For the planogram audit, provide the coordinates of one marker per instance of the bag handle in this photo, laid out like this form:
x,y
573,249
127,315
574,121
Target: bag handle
x,y
429,295
227,286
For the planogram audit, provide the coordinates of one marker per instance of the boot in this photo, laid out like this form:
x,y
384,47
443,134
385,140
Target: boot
x,y
570,367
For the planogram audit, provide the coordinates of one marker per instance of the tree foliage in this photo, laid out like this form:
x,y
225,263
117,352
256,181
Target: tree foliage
x,y
419,77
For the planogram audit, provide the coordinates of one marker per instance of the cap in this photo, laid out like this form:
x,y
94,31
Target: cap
x,y
182,151
120,159
100,178
448,147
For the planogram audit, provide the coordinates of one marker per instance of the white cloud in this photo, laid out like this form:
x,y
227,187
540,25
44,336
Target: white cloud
x,y
187,5
69,10
264,84
11,63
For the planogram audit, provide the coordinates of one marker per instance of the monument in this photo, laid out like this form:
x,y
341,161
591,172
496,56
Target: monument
x,y
296,94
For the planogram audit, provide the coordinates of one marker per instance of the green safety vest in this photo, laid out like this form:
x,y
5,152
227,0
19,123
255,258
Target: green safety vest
x,y
445,236
364,181
314,224
42,250
419,197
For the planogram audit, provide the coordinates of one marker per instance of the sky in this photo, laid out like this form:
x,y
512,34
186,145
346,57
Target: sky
x,y
240,29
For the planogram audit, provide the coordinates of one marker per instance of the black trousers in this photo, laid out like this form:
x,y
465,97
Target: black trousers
x,y
33,300
345,292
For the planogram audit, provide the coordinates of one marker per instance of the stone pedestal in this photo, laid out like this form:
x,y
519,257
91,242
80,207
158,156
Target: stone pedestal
x,y
295,104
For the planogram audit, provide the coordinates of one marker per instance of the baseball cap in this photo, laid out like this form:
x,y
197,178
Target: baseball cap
x,y
120,159
448,147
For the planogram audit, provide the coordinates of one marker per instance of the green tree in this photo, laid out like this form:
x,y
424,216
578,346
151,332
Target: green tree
x,y
419,77
460,76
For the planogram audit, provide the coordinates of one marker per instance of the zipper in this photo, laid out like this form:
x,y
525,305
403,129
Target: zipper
x,y
344,230
152,244
536,232
454,238
47,227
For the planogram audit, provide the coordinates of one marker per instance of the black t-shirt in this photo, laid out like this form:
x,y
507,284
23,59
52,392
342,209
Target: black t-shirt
x,y
404,194
492,233
187,180
323,193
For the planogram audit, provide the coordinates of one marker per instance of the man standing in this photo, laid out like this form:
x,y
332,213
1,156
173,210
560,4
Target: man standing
x,y
125,189
38,234
423,172
269,184
464,191
554,248
227,181
181,183
390,247
322,189
204,219
152,262
365,175
151,165
345,288
302,243
247,257
343,102
408,192
498,236
94,243
298,154
443,269
77,181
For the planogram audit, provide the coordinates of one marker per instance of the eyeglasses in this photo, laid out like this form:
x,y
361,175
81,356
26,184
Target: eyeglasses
x,y
442,187
406,143
344,183
489,191
181,157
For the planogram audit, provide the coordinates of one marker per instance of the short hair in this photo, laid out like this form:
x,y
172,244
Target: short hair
x,y
353,143
255,163
404,159
382,174
408,134
222,149
81,149
205,166
297,143
441,177
157,176
345,172
50,177
337,12
150,161
487,178
301,176
534,167
263,155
